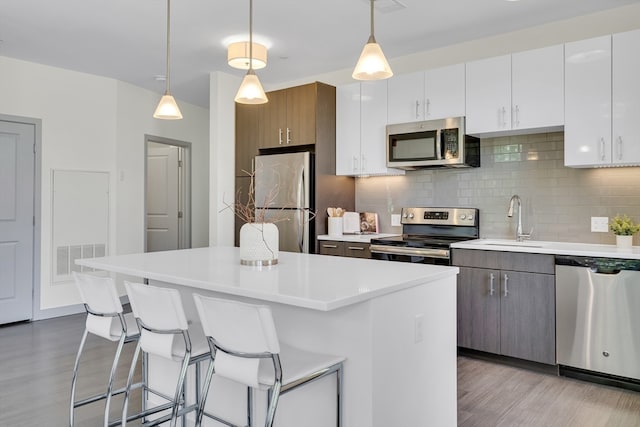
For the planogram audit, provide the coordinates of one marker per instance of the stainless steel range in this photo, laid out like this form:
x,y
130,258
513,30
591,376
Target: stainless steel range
x,y
427,234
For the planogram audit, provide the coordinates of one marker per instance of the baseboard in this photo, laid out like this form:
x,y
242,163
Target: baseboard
x,y
511,361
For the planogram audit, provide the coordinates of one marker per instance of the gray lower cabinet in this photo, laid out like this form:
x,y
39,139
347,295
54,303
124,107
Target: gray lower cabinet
x,y
340,248
505,311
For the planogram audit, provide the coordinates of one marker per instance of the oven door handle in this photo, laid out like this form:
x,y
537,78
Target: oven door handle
x,y
395,250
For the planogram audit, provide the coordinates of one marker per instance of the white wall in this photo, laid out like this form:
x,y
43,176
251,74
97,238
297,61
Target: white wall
x,y
95,123
223,88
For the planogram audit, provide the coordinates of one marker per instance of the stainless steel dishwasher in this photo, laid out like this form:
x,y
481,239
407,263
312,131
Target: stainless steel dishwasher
x,y
598,315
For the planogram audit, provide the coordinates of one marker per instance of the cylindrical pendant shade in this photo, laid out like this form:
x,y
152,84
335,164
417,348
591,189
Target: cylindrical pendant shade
x,y
238,55
167,109
372,64
251,91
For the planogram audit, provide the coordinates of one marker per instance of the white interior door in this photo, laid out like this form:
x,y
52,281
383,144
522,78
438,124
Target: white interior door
x,y
16,220
162,197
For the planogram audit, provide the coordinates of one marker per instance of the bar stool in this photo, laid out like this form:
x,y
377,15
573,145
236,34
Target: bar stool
x,y
242,338
164,333
105,319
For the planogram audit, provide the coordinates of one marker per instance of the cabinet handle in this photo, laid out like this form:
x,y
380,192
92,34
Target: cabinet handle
x,y
602,155
427,105
280,136
330,246
619,148
364,164
517,116
417,109
504,117
355,163
506,283
355,248
492,280
288,136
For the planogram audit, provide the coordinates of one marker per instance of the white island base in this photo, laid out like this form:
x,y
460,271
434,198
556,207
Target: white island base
x,y
399,339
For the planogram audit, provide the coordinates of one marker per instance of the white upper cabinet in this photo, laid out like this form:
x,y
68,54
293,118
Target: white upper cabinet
x,y
516,92
361,118
348,129
489,95
406,98
587,131
433,94
626,98
602,101
445,94
537,88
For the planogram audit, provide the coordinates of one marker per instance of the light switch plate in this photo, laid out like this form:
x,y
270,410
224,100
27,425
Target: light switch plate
x,y
599,224
395,220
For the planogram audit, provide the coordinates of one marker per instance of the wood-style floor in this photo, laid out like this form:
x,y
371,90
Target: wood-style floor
x,y
36,361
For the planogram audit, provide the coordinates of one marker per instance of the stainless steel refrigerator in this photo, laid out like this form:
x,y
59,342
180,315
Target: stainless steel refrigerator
x,y
284,195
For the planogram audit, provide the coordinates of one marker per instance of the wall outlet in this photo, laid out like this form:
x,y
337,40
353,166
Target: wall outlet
x,y
599,224
418,330
395,220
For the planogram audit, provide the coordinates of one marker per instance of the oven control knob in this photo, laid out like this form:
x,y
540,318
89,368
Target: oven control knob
x,y
470,217
410,216
463,217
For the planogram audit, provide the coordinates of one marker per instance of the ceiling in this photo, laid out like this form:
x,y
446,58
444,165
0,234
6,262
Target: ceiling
x,y
125,39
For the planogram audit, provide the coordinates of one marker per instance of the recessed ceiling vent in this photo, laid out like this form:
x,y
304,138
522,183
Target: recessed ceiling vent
x,y
387,6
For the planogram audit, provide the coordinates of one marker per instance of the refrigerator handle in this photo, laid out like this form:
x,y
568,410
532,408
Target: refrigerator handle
x,y
300,203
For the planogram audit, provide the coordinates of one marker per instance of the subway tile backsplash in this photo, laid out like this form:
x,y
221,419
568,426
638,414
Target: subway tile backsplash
x,y
558,202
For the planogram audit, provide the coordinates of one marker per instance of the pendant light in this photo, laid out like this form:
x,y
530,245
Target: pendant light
x,y
372,64
250,91
167,108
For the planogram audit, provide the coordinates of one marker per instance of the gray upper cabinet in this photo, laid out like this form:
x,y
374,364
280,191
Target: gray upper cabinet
x,y
506,303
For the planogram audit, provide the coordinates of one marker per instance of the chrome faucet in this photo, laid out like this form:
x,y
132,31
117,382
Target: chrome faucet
x,y
519,234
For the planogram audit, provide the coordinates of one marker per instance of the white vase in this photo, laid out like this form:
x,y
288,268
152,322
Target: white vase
x,y
624,242
259,244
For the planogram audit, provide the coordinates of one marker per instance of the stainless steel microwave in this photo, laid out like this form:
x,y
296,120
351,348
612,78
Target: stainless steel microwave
x,y
431,144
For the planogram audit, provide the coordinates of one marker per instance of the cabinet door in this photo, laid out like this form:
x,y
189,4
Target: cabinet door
x,y
406,98
587,129
626,98
273,120
488,95
527,316
247,135
331,247
373,140
537,84
357,250
300,126
444,92
479,309
348,129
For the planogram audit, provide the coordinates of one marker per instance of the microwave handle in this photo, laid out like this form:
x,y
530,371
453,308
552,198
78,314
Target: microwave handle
x,y
439,145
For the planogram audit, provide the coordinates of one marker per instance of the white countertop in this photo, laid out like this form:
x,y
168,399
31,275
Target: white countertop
x,y
358,238
318,282
553,248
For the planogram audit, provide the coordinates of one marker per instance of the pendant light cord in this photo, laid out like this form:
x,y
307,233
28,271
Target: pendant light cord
x,y
168,77
251,35
372,38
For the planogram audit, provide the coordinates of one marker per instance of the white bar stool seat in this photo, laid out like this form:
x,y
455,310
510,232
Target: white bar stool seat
x,y
105,319
245,348
164,332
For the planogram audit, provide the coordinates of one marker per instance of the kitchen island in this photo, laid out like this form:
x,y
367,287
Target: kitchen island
x,y
394,322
